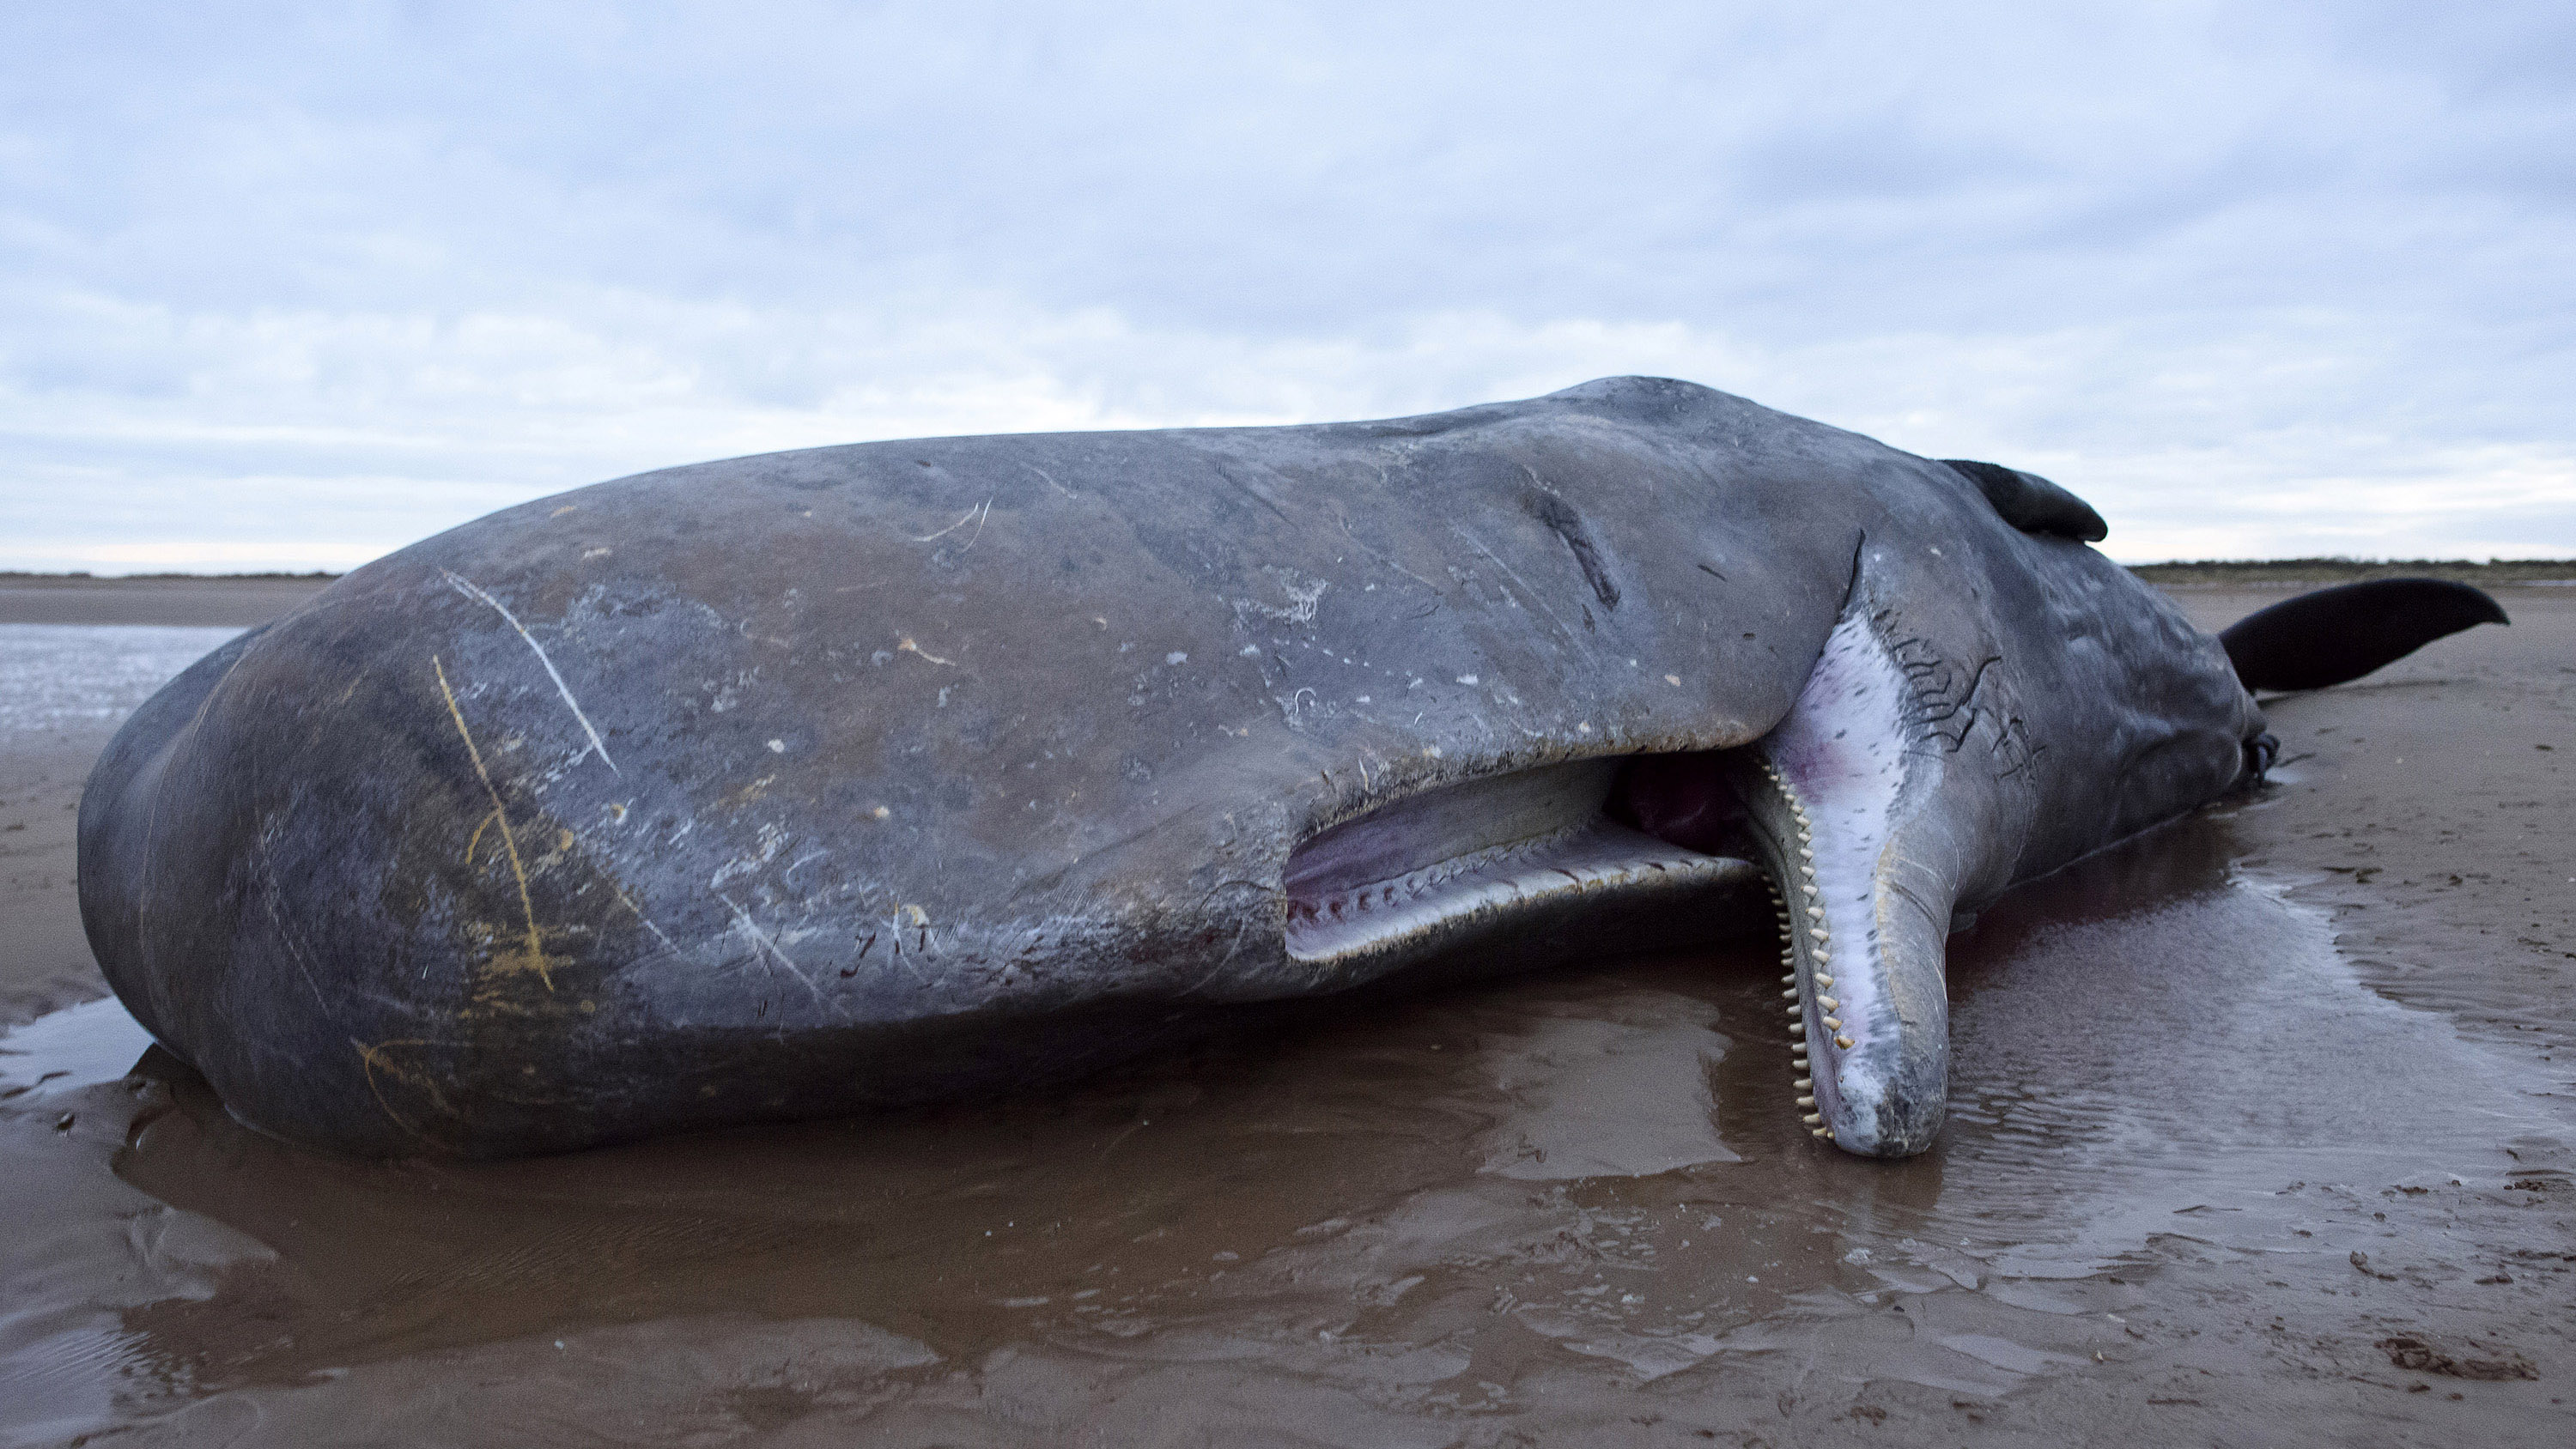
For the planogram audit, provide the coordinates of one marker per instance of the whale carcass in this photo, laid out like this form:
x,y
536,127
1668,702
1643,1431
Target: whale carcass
x,y
799,784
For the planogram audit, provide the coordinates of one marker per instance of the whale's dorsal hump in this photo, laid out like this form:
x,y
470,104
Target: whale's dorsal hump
x,y
2032,503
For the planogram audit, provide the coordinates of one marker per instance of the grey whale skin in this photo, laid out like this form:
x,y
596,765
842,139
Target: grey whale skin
x,y
797,784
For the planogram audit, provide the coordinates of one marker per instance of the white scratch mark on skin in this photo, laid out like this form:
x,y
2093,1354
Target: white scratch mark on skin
x,y
975,515
907,646
468,589
751,928
1050,480
1302,599
286,934
667,943
1534,597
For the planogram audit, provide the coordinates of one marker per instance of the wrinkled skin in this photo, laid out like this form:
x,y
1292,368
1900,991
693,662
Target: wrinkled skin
x,y
796,784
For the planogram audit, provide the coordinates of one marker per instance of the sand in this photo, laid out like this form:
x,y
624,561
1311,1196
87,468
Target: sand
x,y
2261,1135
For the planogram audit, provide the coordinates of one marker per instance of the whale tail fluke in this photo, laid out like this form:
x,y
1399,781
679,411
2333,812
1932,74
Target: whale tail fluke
x,y
2342,633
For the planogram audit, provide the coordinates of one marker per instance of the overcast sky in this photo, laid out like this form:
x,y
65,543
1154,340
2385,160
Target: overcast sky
x,y
279,291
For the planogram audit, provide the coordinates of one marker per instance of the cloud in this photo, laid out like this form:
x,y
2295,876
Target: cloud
x,y
2264,283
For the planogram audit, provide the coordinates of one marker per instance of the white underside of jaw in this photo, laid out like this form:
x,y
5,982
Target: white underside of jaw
x,y
1839,764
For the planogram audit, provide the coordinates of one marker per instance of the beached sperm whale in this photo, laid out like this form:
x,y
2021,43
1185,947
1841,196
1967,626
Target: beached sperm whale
x,y
797,784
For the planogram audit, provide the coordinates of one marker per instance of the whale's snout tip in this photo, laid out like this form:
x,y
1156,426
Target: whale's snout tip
x,y
1895,1125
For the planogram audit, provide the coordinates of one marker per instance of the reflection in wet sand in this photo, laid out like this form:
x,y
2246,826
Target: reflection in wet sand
x,y
1575,1206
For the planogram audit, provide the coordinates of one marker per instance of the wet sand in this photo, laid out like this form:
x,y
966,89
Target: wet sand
x,y
2261,1135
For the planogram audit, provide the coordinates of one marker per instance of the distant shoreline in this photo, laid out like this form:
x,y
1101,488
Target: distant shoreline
x,y
242,601
2213,573
13,579
2258,573
221,601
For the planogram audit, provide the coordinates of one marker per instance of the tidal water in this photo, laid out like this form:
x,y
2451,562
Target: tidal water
x,y
87,676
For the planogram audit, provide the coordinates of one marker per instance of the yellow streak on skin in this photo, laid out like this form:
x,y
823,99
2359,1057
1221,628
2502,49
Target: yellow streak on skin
x,y
374,1060
527,907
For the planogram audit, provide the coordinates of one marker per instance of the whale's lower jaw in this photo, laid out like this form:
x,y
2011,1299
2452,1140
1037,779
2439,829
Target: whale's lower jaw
x,y
1843,807
1866,1004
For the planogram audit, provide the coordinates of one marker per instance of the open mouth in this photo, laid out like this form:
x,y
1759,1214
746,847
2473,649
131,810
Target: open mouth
x,y
1833,830
1501,869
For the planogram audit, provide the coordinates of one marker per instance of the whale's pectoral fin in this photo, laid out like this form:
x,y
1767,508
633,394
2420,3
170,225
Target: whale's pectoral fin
x,y
2338,634
2031,503
1879,806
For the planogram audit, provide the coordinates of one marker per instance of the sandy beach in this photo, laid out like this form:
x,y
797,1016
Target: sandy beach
x,y
2262,1134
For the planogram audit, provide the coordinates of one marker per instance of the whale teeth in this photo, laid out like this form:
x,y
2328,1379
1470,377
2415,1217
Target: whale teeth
x,y
1823,980
1836,1025
1791,992
1824,1133
1830,1004
1796,1010
1844,1042
1803,1083
1816,913
1806,1101
1798,1032
1812,1119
